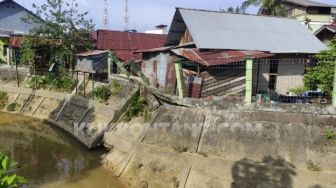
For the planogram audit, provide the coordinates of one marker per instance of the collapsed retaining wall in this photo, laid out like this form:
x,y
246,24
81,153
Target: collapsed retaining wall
x,y
85,119
184,147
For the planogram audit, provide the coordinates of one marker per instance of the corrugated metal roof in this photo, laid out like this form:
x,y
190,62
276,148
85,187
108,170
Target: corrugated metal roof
x,y
308,3
218,30
125,43
217,57
92,53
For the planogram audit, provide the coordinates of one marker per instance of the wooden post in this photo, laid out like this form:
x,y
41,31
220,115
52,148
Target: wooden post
x,y
16,69
248,84
84,84
77,83
179,79
334,89
92,86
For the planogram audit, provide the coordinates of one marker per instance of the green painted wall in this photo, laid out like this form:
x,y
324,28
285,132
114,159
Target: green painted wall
x,y
3,59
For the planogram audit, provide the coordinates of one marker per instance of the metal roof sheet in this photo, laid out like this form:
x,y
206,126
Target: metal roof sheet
x,y
92,53
218,30
217,57
125,43
308,3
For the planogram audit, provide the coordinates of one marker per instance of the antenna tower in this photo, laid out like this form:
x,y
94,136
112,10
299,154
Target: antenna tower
x,y
106,20
126,18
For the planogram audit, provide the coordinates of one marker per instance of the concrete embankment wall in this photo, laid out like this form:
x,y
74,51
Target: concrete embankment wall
x,y
190,147
85,119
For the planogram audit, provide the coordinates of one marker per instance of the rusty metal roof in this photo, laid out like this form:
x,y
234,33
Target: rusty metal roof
x,y
218,57
15,41
125,43
308,3
92,53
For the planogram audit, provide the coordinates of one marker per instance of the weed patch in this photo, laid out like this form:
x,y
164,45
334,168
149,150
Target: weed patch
x,y
13,107
313,167
102,93
3,99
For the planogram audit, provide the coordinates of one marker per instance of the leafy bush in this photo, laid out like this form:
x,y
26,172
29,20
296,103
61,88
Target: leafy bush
x,y
299,90
136,106
115,87
13,107
65,83
3,99
330,135
59,83
7,178
102,93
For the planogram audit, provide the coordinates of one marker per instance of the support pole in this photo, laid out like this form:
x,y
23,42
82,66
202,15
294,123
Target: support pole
x,y
179,79
334,89
110,63
16,69
84,84
92,86
248,84
77,82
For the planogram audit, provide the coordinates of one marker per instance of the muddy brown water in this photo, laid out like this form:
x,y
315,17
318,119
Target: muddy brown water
x,y
49,158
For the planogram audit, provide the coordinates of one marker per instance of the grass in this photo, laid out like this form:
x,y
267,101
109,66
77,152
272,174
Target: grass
x,y
3,99
313,167
63,83
13,107
115,87
330,135
102,93
135,108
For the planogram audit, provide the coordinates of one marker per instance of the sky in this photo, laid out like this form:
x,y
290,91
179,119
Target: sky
x,y
144,14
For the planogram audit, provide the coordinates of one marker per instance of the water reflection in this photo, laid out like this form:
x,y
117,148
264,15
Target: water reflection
x,y
50,158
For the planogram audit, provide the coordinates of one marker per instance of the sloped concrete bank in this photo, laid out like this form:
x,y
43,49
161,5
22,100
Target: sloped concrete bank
x,y
85,119
231,147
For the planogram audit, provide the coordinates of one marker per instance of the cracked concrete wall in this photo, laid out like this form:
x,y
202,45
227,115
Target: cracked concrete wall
x,y
199,147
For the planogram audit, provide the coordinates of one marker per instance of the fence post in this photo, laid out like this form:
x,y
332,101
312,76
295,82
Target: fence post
x,y
179,78
248,84
334,89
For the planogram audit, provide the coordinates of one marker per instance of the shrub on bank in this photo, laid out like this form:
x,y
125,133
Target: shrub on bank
x,y
102,93
59,83
13,107
3,99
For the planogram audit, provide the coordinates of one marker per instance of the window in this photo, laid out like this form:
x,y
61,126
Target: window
x,y
272,82
274,64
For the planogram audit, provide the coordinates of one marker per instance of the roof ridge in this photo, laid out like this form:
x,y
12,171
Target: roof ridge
x,y
222,12
141,33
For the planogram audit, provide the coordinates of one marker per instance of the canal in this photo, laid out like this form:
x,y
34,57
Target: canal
x,y
49,158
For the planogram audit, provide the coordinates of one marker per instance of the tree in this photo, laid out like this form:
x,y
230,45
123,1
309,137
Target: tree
x,y
7,178
61,33
266,7
321,76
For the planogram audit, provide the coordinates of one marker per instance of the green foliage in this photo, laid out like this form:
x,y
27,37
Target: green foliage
x,y
3,99
321,76
299,90
266,7
313,167
102,93
64,84
62,33
58,83
7,178
136,106
330,135
115,87
13,106
27,53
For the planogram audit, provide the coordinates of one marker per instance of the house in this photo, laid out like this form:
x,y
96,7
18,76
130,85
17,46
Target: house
x,y
312,14
326,33
11,24
211,47
124,43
